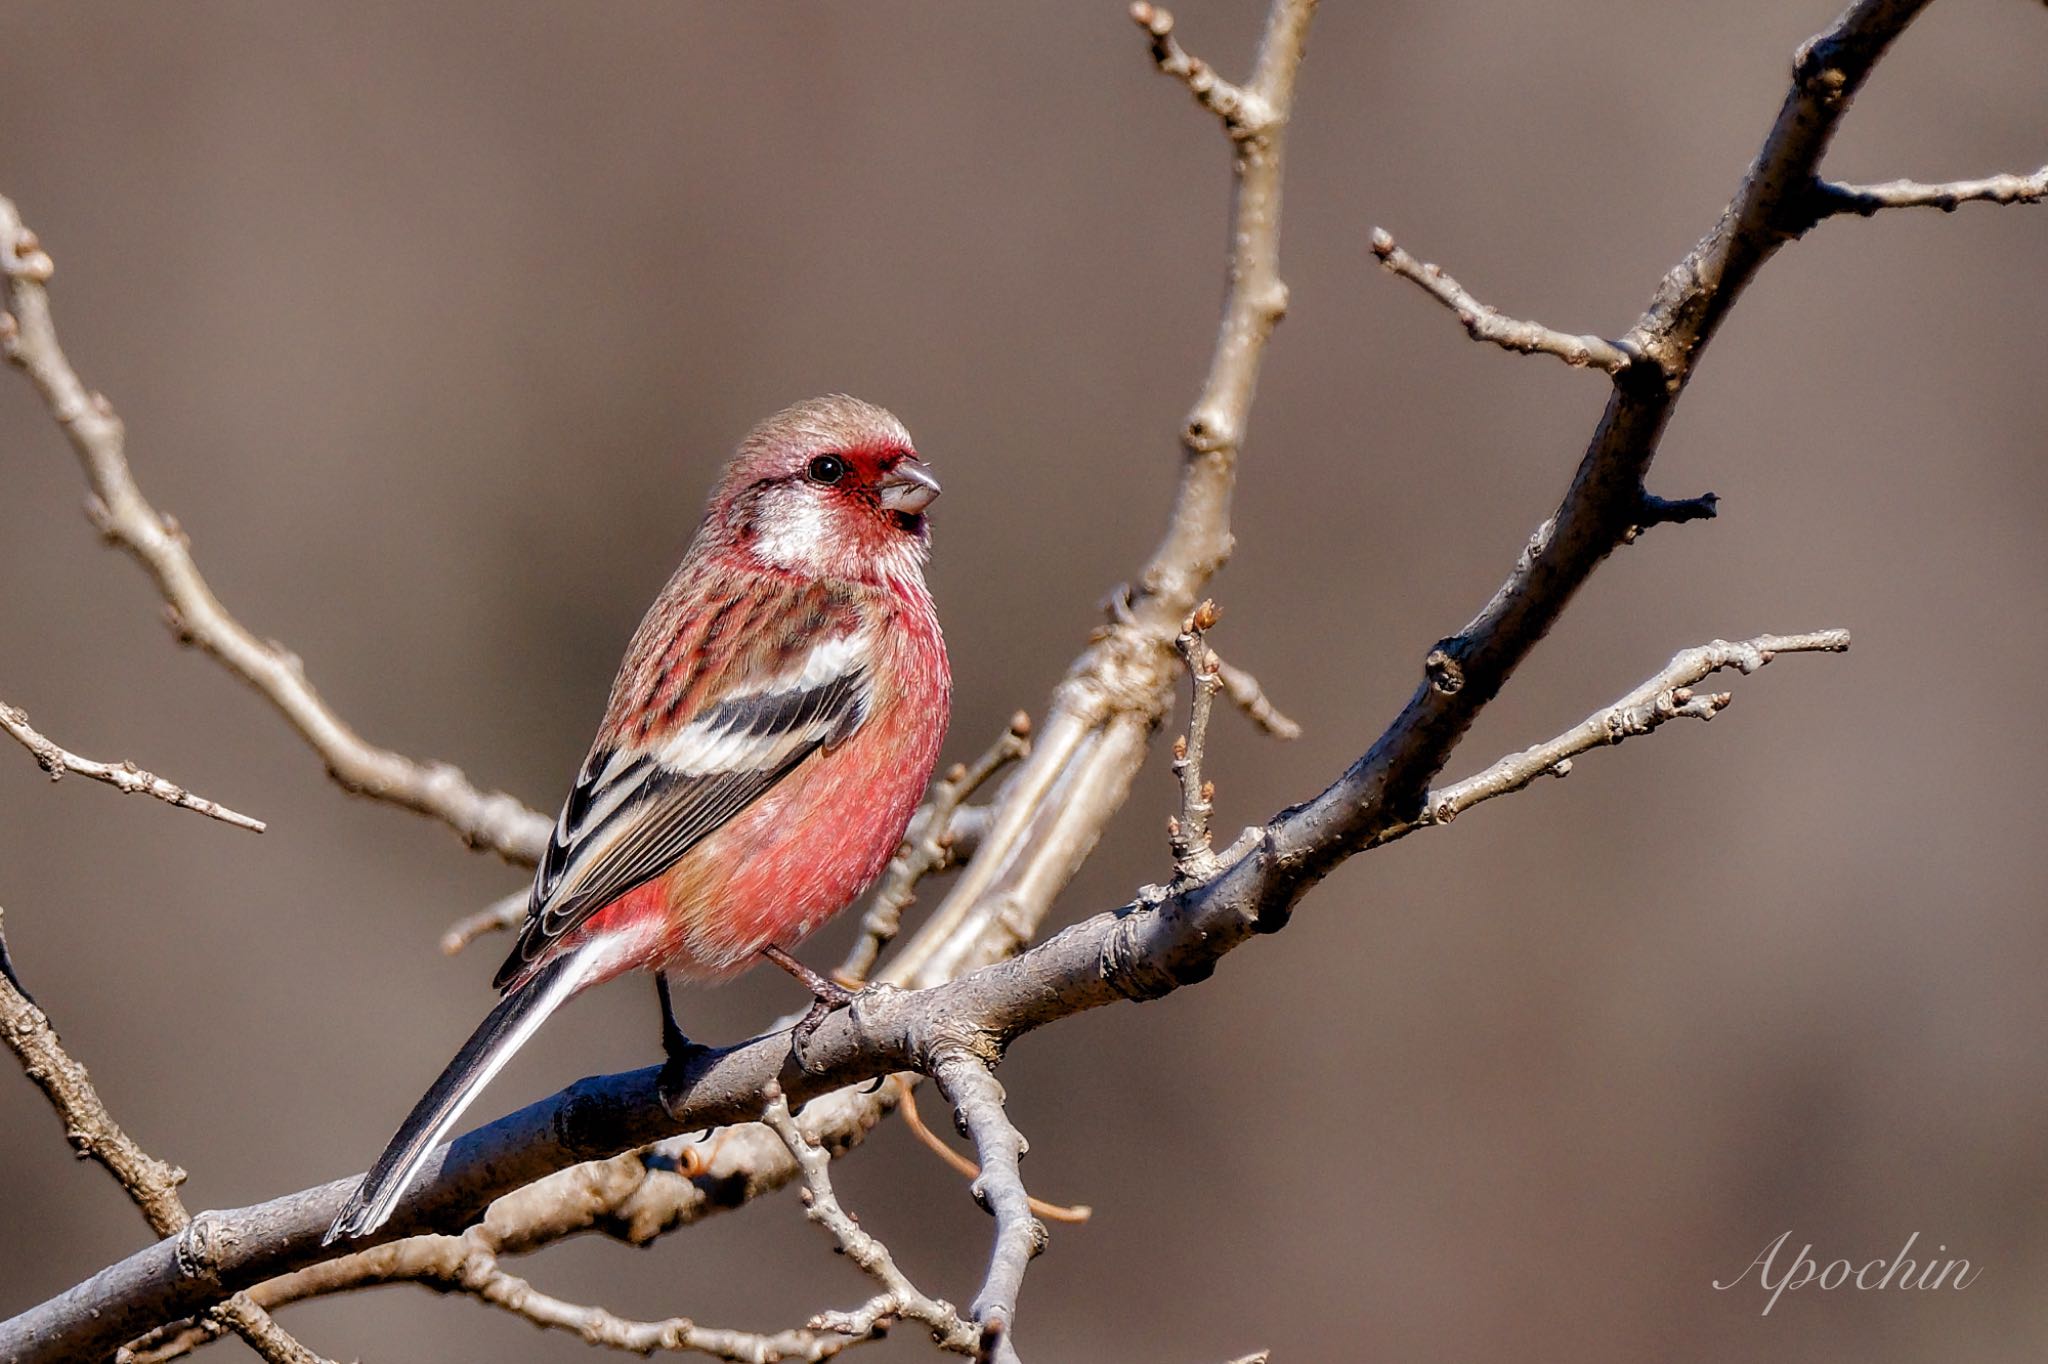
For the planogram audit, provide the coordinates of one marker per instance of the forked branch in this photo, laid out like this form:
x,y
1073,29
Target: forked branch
x,y
899,1298
1667,696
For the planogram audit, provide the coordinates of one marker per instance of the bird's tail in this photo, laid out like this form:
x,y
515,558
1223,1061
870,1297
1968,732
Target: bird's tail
x,y
503,1031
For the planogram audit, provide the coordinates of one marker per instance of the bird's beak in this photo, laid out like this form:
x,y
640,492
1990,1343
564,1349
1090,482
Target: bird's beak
x,y
908,488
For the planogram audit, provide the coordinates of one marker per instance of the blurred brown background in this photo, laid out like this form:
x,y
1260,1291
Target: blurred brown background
x,y
432,324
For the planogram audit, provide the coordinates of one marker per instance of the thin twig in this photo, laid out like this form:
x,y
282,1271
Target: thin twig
x,y
152,1184
977,1097
899,1298
1666,696
123,776
28,338
1193,856
501,915
1245,112
906,1104
1483,322
1837,197
677,1335
1249,696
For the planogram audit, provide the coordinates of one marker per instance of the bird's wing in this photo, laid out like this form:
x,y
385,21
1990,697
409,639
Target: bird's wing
x,y
647,794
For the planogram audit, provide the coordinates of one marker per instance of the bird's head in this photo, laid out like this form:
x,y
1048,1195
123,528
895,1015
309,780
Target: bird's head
x,y
831,487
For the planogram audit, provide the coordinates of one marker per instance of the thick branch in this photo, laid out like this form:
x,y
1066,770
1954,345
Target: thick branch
x,y
124,776
1483,322
28,338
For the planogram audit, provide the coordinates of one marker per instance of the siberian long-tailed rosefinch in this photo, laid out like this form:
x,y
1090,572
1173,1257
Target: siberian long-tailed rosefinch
x,y
769,735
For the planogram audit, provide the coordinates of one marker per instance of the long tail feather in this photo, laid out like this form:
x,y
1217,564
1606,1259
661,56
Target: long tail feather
x,y
503,1031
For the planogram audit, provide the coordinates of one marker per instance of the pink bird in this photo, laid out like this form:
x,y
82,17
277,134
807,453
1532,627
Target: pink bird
x,y
769,736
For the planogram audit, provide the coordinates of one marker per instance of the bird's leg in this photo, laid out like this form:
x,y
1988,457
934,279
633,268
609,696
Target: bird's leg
x,y
826,996
678,1050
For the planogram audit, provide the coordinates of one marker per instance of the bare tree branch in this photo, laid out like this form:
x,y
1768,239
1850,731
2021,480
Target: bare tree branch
x,y
1836,197
151,1183
1052,808
1244,111
906,1102
1483,322
470,1264
635,1197
1163,940
1667,696
677,1335
1193,855
1248,696
978,1098
501,915
899,1298
28,338
124,776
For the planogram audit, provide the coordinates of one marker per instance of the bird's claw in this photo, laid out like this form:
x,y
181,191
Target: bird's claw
x,y
823,1006
680,1054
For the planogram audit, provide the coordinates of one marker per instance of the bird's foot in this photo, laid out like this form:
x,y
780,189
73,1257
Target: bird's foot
x,y
679,1055
827,997
800,1036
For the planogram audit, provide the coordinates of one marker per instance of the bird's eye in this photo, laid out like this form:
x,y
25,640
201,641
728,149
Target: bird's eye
x,y
826,469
